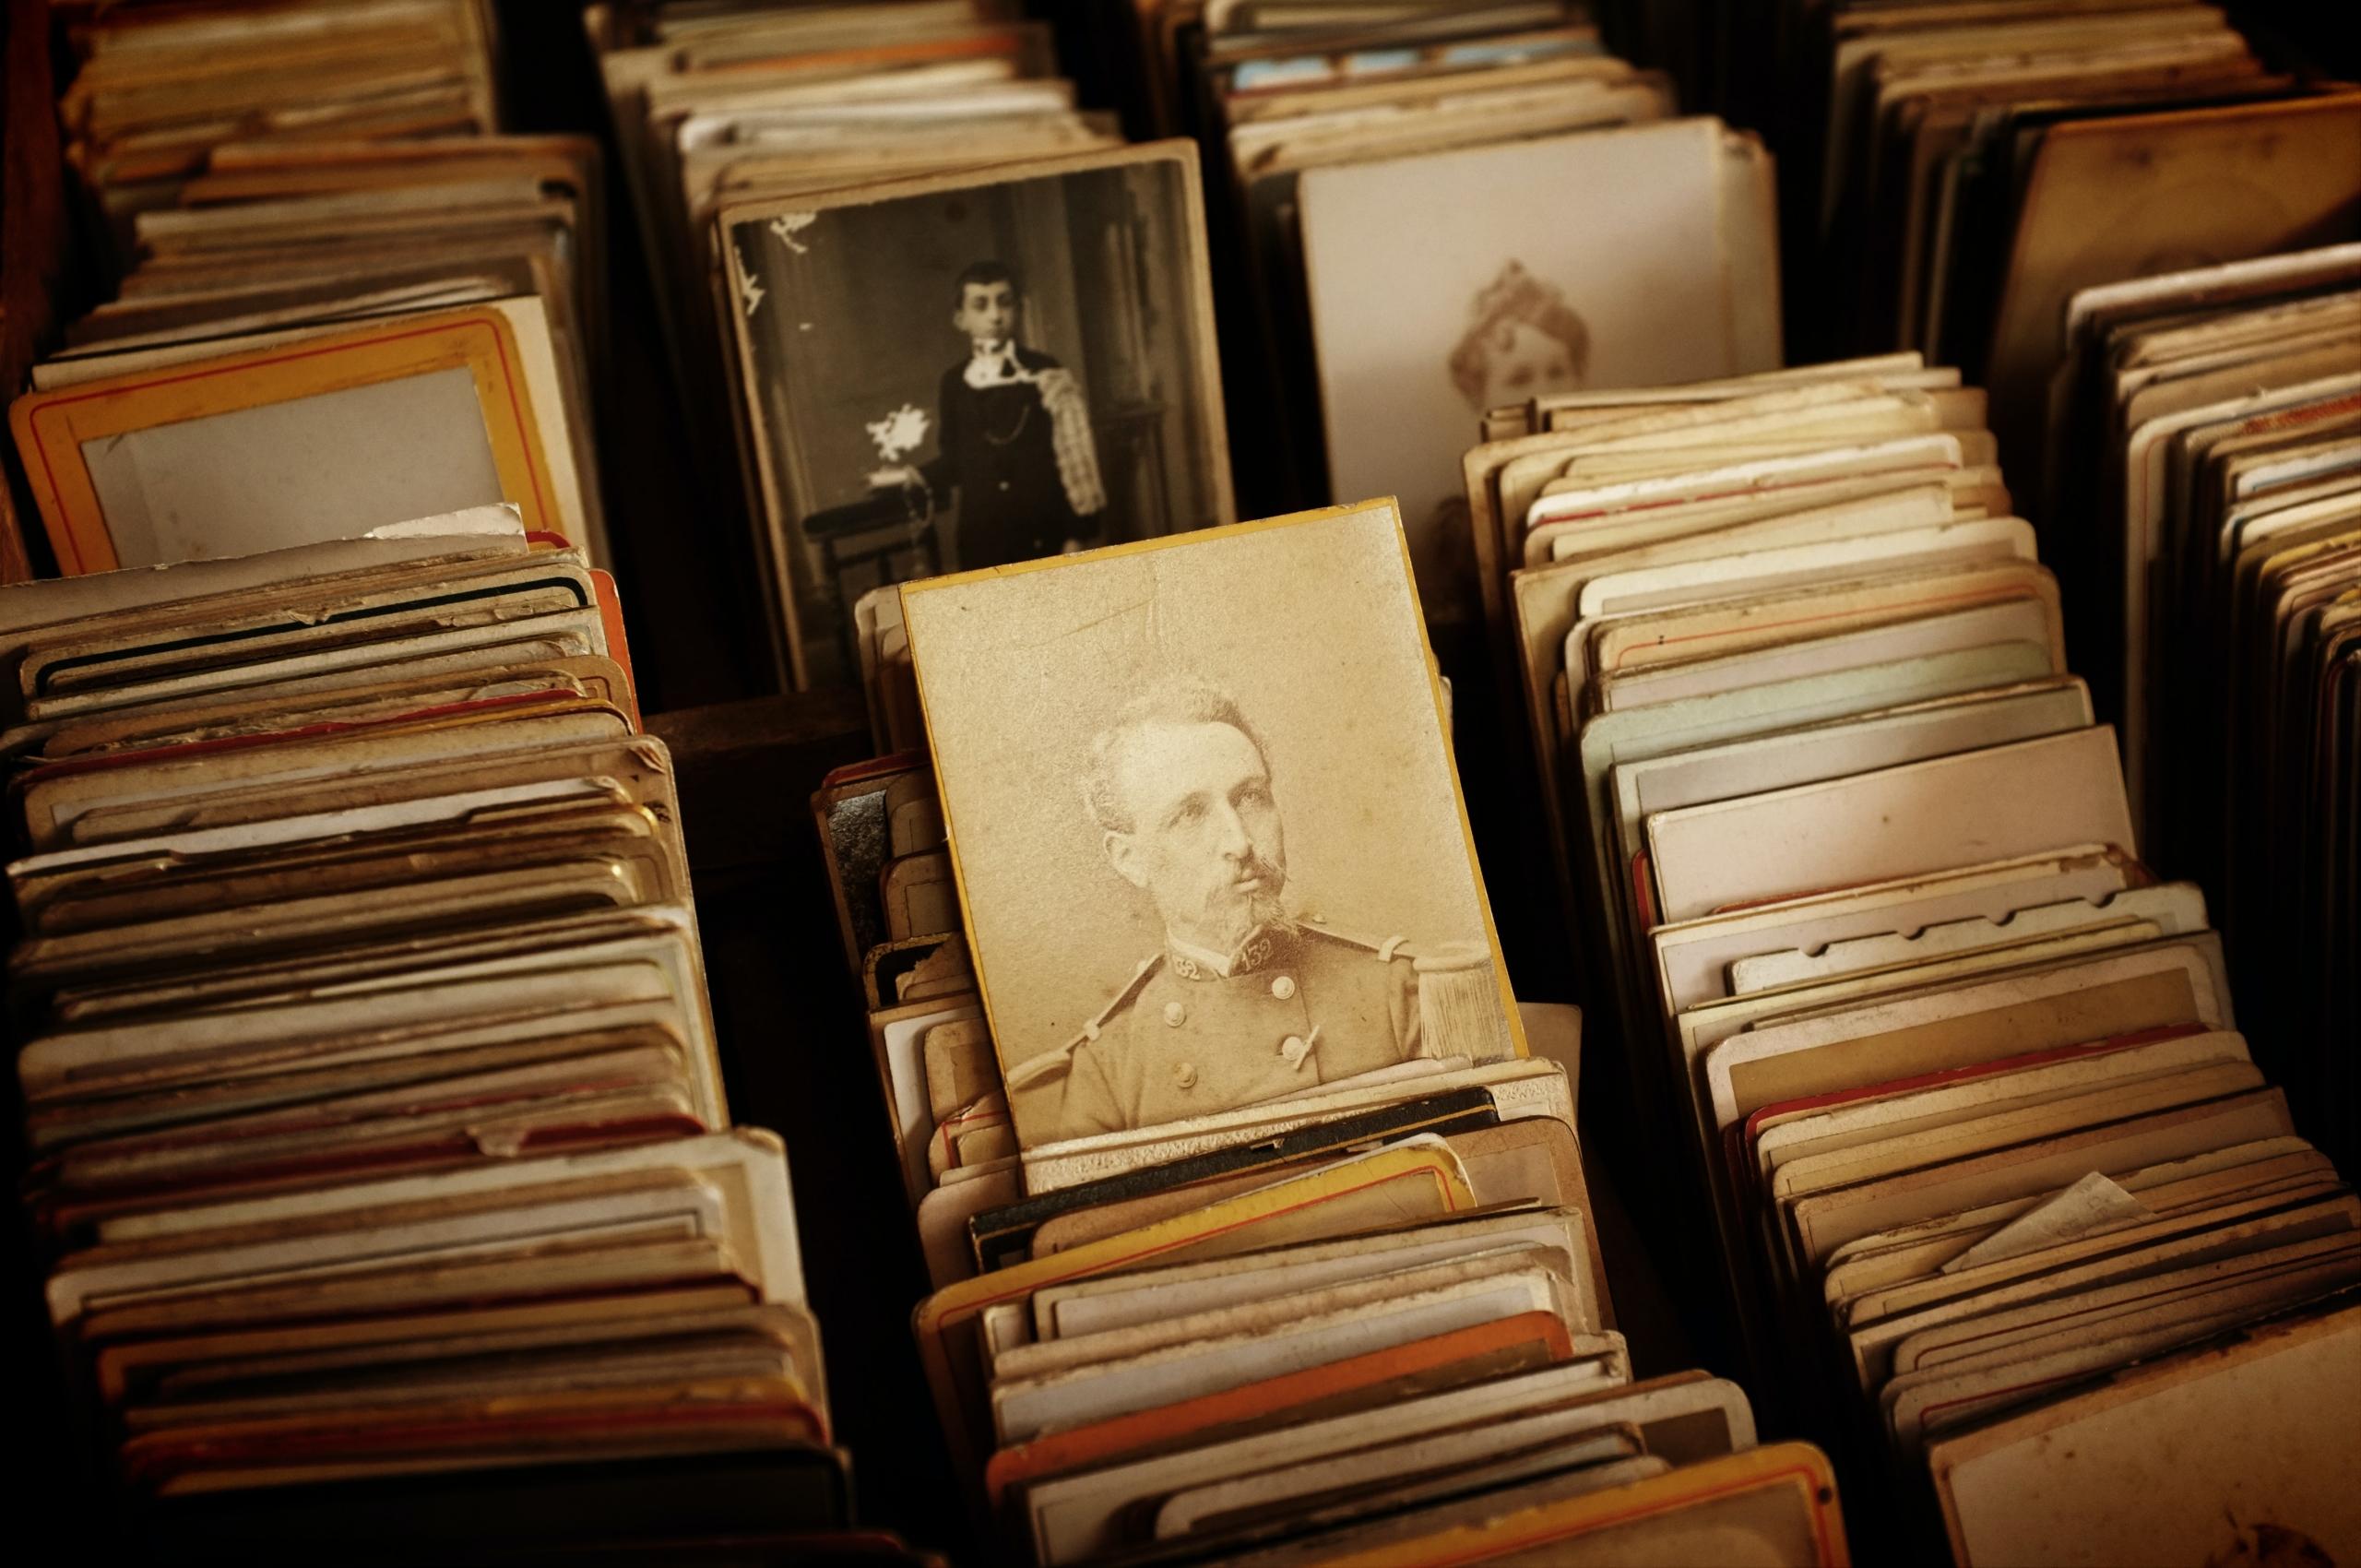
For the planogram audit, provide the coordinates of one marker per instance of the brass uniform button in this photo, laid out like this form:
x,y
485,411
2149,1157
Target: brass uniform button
x,y
1185,1074
1284,988
1295,1048
1175,1014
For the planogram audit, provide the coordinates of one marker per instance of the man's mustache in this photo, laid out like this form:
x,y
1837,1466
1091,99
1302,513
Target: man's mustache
x,y
1254,868
1225,907
1230,917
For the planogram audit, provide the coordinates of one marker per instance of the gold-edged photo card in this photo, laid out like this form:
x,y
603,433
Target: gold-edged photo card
x,y
962,372
1206,823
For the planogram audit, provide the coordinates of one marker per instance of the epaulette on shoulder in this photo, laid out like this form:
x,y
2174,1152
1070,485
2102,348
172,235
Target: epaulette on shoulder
x,y
1041,1068
1051,1062
1123,998
1386,948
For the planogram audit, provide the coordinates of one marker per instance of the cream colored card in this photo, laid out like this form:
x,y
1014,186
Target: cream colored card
x,y
2082,1474
1184,798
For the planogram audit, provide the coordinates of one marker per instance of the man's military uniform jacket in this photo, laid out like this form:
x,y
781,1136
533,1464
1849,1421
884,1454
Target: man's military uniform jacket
x,y
1301,1005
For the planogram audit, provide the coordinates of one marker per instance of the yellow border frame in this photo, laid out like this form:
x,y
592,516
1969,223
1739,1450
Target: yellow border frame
x,y
49,427
1184,541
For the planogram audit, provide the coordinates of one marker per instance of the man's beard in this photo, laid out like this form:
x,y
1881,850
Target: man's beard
x,y
1231,918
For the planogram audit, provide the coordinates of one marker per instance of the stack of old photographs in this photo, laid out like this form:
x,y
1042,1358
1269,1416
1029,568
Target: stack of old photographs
x,y
1961,1079
1394,192
156,88
1169,39
897,909
337,308
950,319
1274,1244
1966,168
2204,448
1692,565
379,1153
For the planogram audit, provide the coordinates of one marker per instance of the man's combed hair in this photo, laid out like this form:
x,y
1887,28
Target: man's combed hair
x,y
981,273
1180,700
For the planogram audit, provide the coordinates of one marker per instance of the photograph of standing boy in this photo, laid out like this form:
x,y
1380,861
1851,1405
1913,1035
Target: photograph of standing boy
x,y
1013,440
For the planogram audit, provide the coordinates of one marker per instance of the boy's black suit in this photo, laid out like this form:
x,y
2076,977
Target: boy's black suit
x,y
995,448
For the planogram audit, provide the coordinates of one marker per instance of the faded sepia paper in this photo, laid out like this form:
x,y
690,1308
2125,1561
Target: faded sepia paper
x,y
1346,808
